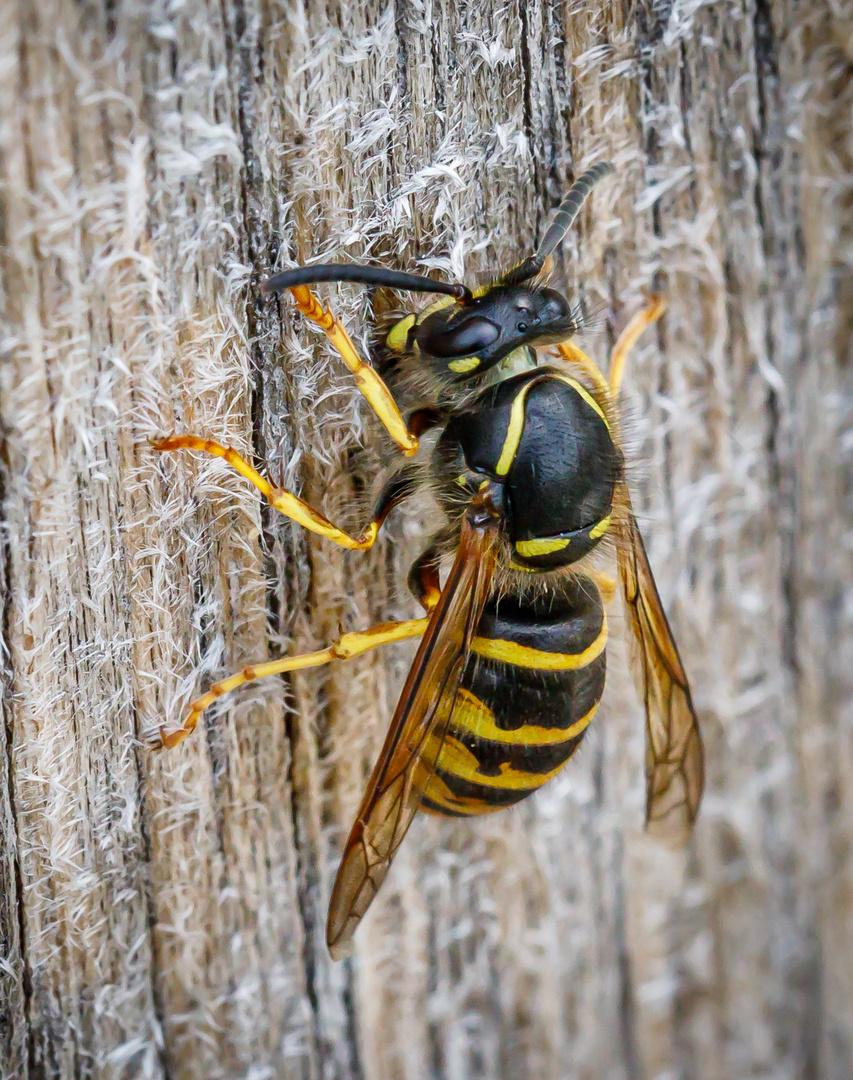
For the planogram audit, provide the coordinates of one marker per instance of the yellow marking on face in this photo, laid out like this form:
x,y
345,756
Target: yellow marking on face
x,y
461,481
477,718
514,431
509,652
459,761
468,364
398,336
585,394
600,529
529,548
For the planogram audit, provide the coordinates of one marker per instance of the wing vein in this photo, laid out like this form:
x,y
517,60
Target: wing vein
x,y
674,756
418,728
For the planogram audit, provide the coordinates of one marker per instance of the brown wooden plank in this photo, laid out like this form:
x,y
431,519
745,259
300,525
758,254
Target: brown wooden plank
x,y
162,915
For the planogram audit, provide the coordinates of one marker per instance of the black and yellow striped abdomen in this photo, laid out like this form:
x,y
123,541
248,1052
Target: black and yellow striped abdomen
x,y
528,693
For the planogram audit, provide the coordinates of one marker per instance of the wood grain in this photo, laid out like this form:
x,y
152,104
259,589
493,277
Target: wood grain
x,y
161,915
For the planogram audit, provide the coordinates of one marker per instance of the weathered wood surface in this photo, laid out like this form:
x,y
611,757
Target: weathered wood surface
x,y
162,915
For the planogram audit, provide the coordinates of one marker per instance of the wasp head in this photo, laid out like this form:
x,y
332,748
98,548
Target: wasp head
x,y
464,340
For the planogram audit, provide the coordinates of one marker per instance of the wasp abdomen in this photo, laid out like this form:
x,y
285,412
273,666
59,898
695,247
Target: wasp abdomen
x,y
529,691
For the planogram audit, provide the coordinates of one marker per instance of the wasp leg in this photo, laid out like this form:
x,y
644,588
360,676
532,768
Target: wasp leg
x,y
368,381
605,582
575,355
401,485
426,419
344,648
628,338
423,578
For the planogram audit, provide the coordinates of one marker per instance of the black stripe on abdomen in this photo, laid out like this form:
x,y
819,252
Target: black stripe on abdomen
x,y
521,696
515,725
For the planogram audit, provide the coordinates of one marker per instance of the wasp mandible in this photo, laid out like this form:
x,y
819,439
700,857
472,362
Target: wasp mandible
x,y
529,474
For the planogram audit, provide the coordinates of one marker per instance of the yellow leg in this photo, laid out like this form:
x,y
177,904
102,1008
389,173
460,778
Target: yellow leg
x,y
606,583
281,500
369,383
628,338
424,582
346,647
575,355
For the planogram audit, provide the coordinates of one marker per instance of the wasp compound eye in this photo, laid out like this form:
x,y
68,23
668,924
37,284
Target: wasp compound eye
x,y
555,306
464,338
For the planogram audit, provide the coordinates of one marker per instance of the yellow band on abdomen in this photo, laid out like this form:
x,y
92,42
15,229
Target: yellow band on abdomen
x,y
458,760
475,717
509,652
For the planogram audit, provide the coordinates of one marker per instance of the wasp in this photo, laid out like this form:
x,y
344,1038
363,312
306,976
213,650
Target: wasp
x,y
529,474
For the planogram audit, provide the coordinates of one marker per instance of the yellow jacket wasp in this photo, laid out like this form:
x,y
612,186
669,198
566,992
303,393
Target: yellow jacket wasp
x,y
529,475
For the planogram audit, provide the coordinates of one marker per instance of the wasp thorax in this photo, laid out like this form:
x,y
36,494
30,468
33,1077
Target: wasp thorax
x,y
466,340
544,441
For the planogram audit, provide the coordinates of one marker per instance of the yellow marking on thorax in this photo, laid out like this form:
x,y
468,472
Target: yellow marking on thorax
x,y
509,652
477,718
585,394
458,760
529,548
514,430
545,545
600,529
520,360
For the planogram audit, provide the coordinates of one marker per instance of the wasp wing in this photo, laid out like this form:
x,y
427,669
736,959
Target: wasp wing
x,y
675,772
416,734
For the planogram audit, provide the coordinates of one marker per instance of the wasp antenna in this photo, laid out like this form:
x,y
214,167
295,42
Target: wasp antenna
x,y
563,220
524,271
365,275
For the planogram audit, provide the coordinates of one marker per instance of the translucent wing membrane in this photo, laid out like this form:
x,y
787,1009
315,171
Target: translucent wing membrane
x,y
417,730
675,772
563,219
